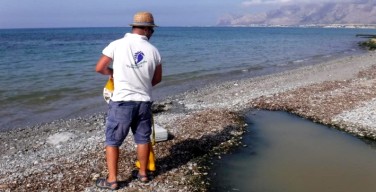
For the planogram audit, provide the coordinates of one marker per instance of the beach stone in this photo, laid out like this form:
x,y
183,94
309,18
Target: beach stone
x,y
60,138
3,186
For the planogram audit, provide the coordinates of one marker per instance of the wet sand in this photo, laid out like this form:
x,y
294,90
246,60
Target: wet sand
x,y
203,124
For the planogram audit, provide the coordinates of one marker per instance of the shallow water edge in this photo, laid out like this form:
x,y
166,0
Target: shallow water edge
x,y
287,153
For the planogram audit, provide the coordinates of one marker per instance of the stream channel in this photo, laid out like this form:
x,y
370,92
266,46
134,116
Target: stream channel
x,y
285,153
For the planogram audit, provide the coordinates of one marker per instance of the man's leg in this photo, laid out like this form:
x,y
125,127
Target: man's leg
x,y
112,156
142,130
117,127
143,151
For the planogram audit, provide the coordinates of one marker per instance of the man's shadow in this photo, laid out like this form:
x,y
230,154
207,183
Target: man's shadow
x,y
184,151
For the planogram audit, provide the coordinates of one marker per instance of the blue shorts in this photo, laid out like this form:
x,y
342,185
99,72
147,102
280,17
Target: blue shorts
x,y
125,115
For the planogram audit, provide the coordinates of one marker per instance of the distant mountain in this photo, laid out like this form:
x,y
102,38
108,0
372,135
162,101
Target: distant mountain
x,y
357,12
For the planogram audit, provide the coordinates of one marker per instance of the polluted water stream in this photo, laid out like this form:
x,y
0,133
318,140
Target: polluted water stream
x,y
286,153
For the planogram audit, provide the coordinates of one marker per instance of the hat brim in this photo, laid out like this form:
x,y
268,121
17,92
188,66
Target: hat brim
x,y
143,25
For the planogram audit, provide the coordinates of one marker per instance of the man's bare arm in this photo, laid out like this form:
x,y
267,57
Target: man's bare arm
x,y
102,66
157,78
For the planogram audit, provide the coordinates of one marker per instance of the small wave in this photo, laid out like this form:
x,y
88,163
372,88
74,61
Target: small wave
x,y
300,61
37,97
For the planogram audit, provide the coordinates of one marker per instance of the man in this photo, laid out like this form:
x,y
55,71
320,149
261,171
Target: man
x,y
136,67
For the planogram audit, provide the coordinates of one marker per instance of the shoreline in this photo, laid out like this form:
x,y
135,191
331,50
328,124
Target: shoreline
x,y
71,109
204,124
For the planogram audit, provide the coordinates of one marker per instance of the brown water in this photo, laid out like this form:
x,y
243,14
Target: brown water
x,y
288,154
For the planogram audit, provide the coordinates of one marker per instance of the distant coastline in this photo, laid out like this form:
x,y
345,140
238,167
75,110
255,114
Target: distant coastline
x,y
345,26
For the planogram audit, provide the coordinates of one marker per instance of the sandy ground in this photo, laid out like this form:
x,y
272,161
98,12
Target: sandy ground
x,y
68,155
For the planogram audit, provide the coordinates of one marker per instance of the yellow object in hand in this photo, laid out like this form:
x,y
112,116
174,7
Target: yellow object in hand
x,y
108,89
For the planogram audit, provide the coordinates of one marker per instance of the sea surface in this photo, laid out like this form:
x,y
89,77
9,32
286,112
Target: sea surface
x,y
48,74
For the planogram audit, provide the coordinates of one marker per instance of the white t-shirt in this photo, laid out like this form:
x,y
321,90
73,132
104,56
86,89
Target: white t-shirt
x,y
134,62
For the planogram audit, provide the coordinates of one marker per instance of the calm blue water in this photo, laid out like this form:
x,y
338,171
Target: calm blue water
x,y
48,74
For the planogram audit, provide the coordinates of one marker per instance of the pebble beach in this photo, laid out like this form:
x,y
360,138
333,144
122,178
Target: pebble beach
x,y
69,155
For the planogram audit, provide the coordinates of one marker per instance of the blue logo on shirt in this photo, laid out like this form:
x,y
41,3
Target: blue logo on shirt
x,y
138,57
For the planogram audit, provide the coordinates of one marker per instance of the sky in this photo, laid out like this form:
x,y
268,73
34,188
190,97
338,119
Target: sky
x,y
119,13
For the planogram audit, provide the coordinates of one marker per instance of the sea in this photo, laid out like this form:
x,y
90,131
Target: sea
x,y
48,74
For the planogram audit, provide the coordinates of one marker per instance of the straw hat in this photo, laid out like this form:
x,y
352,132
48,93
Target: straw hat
x,y
143,19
